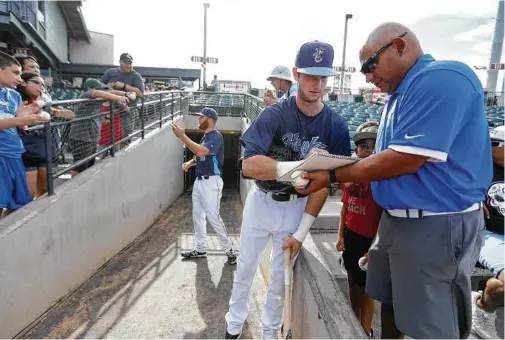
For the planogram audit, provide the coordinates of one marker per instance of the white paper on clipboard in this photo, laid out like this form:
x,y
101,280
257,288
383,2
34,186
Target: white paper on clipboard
x,y
316,161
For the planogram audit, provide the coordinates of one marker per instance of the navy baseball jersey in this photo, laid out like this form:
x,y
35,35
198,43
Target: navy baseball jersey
x,y
212,164
285,133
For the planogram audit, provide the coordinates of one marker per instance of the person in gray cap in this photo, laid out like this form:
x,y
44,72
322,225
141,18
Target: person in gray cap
x,y
281,80
125,78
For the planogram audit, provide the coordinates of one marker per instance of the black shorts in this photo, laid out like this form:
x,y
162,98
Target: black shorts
x,y
33,163
355,247
81,150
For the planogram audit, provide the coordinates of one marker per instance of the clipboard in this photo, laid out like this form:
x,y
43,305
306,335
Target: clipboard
x,y
315,161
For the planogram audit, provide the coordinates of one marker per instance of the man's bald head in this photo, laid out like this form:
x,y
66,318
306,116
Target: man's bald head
x,y
401,52
386,32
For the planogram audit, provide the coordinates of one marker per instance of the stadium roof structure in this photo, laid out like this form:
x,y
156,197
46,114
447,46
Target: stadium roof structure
x,y
20,26
75,20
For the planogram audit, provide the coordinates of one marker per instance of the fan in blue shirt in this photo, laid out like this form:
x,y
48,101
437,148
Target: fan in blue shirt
x,y
14,192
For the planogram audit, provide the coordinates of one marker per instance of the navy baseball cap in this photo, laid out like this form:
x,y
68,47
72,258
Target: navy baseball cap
x,y
316,58
208,112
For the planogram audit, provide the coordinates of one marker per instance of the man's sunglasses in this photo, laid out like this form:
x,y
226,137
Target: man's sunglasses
x,y
497,144
371,63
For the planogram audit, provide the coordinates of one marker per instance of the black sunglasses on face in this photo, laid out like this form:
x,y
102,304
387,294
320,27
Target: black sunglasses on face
x,y
496,144
371,63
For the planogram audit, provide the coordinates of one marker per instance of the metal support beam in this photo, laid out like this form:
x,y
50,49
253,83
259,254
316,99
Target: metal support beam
x,y
205,6
342,72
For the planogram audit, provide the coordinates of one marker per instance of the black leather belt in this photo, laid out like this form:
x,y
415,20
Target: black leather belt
x,y
202,177
282,197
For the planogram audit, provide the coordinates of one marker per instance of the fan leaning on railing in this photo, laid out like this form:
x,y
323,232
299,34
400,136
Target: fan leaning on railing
x,y
73,138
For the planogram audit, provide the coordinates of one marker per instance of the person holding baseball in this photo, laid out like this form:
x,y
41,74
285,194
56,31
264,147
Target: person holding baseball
x,y
491,254
359,219
430,174
284,131
125,78
14,114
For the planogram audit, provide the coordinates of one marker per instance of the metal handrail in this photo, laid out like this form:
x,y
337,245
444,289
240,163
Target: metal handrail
x,y
168,100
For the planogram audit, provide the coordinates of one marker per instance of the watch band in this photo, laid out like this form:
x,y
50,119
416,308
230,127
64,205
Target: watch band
x,y
333,177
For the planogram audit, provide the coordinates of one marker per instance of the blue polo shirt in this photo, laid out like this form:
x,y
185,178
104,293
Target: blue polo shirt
x,y
437,111
212,164
11,145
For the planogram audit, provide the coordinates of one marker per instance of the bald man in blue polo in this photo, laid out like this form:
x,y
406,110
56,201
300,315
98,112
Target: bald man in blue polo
x,y
430,174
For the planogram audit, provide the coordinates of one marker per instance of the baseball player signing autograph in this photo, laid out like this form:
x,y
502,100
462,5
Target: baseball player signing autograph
x,y
284,131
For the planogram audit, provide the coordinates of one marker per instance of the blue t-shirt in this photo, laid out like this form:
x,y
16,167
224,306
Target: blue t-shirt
x,y
437,111
212,164
10,143
292,91
285,133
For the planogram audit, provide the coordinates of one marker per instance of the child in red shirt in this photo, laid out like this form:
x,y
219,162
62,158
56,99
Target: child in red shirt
x,y
358,224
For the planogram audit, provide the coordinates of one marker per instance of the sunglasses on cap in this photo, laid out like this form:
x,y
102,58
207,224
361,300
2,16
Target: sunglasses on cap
x,y
497,144
371,63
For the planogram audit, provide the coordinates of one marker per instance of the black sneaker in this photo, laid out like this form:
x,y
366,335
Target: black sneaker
x,y
232,259
193,254
231,336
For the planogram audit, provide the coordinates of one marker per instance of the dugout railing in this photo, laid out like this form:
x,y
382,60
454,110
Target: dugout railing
x,y
101,128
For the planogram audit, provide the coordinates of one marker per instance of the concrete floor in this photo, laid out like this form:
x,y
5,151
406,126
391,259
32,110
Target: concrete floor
x,y
147,291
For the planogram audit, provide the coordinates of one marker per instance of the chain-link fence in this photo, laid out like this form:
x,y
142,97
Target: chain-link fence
x,y
225,104
253,107
99,129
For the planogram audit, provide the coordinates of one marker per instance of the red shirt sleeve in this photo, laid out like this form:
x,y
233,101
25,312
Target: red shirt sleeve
x,y
345,196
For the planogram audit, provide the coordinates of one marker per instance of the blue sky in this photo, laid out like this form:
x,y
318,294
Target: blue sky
x,y
251,37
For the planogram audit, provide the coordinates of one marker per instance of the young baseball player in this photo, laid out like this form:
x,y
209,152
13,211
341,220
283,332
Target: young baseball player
x,y
208,187
284,131
359,219
14,191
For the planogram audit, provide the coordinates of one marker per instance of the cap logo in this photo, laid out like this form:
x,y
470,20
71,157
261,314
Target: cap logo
x,y
318,54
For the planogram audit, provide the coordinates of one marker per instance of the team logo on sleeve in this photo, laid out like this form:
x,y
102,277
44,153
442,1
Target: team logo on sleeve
x,y
318,55
495,196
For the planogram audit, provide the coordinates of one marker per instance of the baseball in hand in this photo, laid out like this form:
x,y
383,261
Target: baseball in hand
x,y
131,95
44,115
41,103
299,182
363,263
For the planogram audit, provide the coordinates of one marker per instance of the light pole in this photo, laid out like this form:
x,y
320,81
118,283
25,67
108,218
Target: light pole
x,y
205,6
347,17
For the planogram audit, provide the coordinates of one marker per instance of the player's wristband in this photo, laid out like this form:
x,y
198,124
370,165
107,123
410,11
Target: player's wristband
x,y
303,228
282,168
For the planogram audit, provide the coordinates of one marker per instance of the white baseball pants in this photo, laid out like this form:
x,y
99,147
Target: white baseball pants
x,y
263,219
206,203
